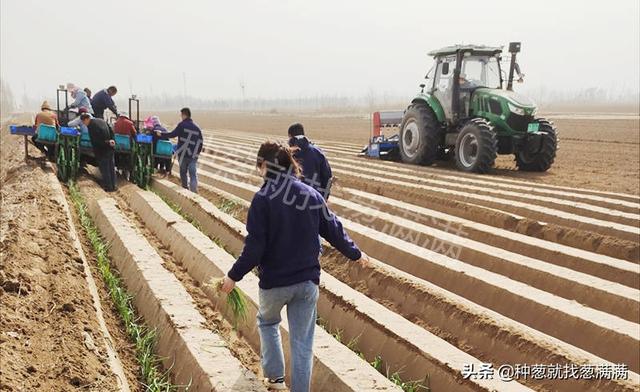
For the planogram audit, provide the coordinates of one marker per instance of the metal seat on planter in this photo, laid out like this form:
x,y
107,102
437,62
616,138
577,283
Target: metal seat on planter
x,y
85,140
163,148
123,142
47,134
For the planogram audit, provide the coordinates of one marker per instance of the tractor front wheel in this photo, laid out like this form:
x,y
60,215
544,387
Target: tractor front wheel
x,y
476,146
419,135
62,166
539,151
74,163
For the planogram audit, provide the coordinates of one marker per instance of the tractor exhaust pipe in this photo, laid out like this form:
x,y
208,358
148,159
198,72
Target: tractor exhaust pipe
x,y
514,49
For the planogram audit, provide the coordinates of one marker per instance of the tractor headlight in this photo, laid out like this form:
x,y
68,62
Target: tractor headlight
x,y
514,109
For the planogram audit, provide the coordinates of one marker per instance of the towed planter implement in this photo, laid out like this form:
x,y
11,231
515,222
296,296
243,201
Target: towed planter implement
x,y
70,148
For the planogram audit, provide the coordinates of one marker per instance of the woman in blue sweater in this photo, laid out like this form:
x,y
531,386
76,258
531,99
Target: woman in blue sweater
x,y
285,222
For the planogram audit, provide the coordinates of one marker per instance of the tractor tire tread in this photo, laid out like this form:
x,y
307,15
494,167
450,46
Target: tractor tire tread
x,y
431,132
547,154
486,156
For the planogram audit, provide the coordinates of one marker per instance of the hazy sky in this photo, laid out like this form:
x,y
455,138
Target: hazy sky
x,y
293,48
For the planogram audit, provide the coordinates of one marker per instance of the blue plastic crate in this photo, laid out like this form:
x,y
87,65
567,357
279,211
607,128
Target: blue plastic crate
x,y
85,140
146,139
164,148
22,130
68,131
123,142
47,133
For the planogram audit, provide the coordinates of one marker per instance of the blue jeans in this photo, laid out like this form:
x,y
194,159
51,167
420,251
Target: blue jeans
x,y
189,165
301,300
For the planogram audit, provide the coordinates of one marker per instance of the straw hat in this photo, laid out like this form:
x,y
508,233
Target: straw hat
x,y
45,105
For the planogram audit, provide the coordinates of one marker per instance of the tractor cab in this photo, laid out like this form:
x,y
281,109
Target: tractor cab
x,y
461,70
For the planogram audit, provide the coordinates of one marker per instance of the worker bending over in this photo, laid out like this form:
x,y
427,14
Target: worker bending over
x,y
80,98
103,100
103,142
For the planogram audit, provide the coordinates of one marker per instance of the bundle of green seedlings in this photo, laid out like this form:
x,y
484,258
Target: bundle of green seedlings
x,y
236,301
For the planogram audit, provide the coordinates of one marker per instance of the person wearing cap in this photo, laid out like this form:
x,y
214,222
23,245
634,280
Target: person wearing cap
x,y
103,100
315,166
48,117
80,98
124,126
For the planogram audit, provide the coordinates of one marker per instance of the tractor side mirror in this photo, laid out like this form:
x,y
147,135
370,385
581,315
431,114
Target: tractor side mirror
x,y
445,68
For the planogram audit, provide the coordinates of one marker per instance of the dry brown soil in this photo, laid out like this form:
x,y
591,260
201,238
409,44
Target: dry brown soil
x,y
594,153
50,339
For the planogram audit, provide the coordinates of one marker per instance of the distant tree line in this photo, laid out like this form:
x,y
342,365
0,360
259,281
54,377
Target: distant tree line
x,y
7,102
368,102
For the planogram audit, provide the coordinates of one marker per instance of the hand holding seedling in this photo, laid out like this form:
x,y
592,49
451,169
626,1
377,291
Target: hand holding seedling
x,y
227,285
364,260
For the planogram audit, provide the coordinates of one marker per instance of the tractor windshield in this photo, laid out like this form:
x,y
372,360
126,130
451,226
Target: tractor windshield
x,y
480,71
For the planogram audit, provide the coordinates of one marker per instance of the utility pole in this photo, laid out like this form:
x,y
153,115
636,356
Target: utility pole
x,y
242,87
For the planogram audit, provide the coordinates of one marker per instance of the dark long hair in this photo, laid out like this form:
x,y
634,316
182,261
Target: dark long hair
x,y
279,159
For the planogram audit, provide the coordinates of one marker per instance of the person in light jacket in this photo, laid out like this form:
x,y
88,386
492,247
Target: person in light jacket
x,y
80,99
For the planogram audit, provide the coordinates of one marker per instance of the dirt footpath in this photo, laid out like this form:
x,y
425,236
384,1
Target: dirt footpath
x,y
49,334
594,153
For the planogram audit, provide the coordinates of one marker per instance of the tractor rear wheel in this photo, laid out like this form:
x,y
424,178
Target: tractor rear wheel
x,y
419,135
476,146
538,154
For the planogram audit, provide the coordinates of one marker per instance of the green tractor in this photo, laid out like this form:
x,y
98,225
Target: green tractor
x,y
464,111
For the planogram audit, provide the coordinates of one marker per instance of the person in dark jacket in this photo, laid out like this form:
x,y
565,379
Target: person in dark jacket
x,y
103,142
103,100
189,147
315,166
284,223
